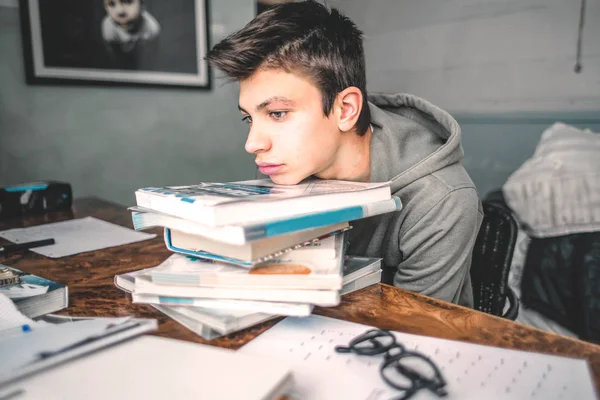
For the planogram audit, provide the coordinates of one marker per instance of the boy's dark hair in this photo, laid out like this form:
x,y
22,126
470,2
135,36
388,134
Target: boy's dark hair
x,y
304,37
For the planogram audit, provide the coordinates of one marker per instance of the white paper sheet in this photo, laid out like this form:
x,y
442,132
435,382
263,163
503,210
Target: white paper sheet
x,y
76,236
10,318
471,371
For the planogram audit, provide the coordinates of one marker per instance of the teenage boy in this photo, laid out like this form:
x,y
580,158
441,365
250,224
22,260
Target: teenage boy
x,y
301,70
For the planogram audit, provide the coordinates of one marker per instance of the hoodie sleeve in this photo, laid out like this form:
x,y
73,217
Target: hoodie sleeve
x,y
436,250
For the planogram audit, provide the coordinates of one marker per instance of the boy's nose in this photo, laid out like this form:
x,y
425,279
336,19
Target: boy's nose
x,y
257,142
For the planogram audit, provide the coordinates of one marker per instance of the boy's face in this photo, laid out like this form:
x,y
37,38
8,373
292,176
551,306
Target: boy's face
x,y
289,134
123,12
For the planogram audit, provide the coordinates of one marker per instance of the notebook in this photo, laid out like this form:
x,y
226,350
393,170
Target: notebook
x,y
46,345
151,367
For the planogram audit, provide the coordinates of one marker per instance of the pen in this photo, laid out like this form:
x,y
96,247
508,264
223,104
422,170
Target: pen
x,y
27,245
19,329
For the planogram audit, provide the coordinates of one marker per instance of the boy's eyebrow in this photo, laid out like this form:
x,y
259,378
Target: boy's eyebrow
x,y
269,101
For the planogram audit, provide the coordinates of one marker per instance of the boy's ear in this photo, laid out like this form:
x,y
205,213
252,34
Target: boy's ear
x,y
348,105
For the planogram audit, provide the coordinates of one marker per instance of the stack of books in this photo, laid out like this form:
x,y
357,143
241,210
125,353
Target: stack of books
x,y
246,252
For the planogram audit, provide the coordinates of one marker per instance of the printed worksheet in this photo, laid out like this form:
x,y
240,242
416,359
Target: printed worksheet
x,y
471,371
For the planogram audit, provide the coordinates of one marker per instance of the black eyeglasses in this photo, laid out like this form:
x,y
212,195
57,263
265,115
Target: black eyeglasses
x,y
404,370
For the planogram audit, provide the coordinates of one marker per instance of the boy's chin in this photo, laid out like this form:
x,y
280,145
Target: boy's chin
x,y
285,179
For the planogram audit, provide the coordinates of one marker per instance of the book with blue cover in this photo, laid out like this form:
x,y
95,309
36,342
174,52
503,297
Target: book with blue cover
x,y
257,252
32,295
218,204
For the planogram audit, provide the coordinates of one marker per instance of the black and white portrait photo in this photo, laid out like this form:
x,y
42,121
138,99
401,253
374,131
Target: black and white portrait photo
x,y
152,42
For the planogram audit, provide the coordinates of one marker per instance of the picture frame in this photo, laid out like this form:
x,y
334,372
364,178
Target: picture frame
x,y
116,42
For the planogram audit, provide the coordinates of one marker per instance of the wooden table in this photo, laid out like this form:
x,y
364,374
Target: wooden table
x,y
92,293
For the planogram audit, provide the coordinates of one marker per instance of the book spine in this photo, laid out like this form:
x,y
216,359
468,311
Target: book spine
x,y
331,217
175,206
198,328
203,254
362,282
235,235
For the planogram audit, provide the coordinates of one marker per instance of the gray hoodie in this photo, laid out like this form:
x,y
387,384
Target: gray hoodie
x,y
429,242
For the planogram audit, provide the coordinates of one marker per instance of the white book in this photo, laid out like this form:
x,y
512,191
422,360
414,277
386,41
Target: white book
x,y
218,204
146,291
286,273
144,218
152,367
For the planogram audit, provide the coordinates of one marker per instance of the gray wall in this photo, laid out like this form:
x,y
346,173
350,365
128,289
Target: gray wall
x,y
482,55
110,141
503,68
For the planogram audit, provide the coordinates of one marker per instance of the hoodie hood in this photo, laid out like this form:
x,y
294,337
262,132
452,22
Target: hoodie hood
x,y
411,138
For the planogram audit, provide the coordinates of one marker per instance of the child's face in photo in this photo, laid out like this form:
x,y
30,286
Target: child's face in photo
x,y
289,133
123,12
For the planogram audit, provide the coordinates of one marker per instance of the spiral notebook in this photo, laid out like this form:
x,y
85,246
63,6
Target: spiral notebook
x,y
472,371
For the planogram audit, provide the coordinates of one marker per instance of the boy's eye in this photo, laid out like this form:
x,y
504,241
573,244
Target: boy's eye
x,y
277,115
247,119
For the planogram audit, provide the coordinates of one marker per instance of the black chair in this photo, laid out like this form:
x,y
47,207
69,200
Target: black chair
x,y
492,257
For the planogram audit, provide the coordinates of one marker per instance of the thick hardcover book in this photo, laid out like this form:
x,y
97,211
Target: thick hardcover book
x,y
224,322
144,218
356,267
361,282
198,328
253,252
218,204
31,294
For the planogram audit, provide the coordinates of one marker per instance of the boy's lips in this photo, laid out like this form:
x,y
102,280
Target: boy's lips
x,y
268,168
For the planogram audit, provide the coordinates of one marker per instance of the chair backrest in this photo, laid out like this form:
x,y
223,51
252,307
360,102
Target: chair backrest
x,y
492,257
